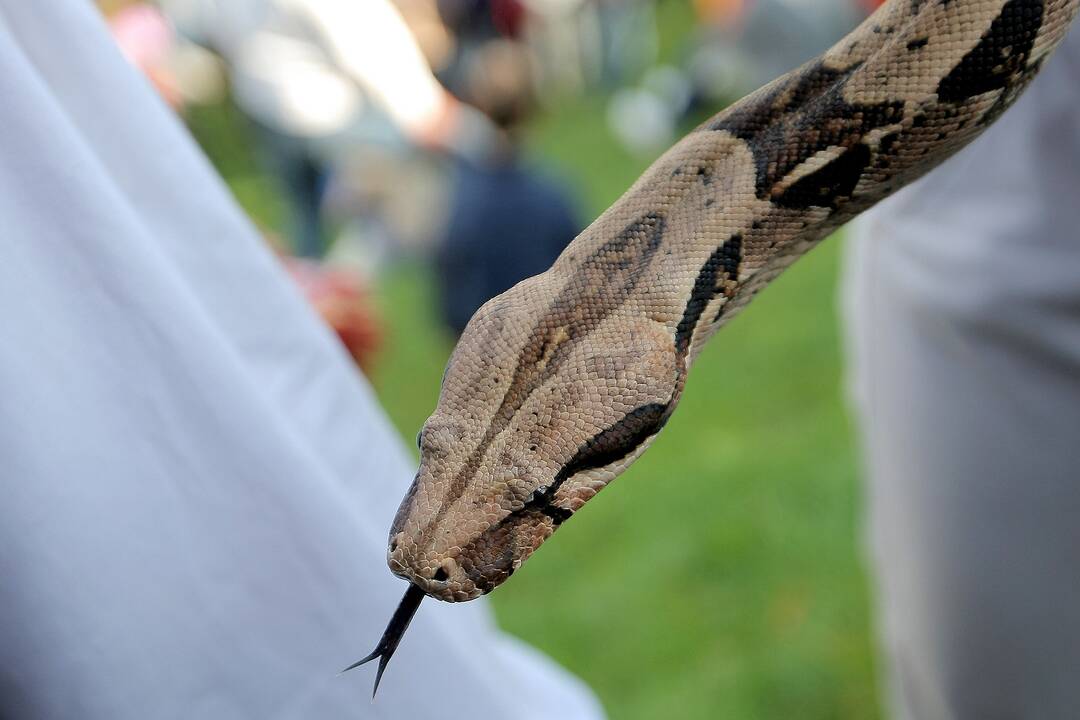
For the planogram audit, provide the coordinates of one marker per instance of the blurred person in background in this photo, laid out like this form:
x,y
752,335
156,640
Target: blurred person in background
x,y
563,40
147,41
737,46
196,480
626,41
317,78
507,220
963,306
762,39
185,73
182,72
474,23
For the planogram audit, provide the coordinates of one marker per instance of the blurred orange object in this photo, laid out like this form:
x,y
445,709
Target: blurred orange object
x,y
147,39
719,12
871,5
344,303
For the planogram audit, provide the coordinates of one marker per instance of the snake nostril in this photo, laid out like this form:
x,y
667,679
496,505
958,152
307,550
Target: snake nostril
x,y
393,545
440,575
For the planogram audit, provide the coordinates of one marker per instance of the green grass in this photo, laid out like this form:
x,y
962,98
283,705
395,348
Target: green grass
x,y
720,577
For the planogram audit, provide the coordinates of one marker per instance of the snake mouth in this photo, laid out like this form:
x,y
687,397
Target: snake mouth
x,y
442,576
391,637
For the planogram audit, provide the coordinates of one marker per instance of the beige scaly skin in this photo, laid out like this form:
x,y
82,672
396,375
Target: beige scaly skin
x,y
559,384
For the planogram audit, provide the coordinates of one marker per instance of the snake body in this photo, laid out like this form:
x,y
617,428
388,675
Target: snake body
x,y
560,383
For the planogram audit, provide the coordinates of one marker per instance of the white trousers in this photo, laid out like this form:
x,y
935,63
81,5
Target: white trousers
x,y
963,303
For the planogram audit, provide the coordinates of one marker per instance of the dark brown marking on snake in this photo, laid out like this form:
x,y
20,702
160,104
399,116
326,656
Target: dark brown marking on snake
x,y
913,8
722,264
558,515
917,44
700,171
1006,98
614,442
828,185
610,445
609,276
732,260
606,447
885,145
1001,54
796,120
748,120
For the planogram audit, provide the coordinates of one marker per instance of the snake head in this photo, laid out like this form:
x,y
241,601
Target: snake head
x,y
553,389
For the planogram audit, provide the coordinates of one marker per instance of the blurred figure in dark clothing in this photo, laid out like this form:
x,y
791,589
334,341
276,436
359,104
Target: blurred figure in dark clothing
x,y
506,224
322,81
507,221
480,18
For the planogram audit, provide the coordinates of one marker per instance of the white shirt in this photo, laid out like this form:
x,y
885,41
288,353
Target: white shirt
x,y
195,483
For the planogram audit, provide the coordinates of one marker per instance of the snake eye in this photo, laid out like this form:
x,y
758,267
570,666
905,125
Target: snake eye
x,y
419,435
440,575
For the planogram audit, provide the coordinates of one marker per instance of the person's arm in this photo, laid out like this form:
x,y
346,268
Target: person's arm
x,y
371,42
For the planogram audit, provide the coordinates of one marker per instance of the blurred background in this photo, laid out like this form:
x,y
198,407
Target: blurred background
x,y
409,159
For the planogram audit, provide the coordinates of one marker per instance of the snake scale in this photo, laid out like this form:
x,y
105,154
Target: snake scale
x,y
559,384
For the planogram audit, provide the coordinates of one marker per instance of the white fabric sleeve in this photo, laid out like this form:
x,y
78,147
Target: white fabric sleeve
x,y
196,482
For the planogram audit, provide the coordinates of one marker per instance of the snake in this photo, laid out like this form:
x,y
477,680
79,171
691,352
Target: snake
x,y
556,386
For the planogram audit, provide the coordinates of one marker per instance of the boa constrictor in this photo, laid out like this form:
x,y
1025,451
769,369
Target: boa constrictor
x,y
560,383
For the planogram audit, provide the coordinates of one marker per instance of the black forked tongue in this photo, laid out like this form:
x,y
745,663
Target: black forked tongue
x,y
392,635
